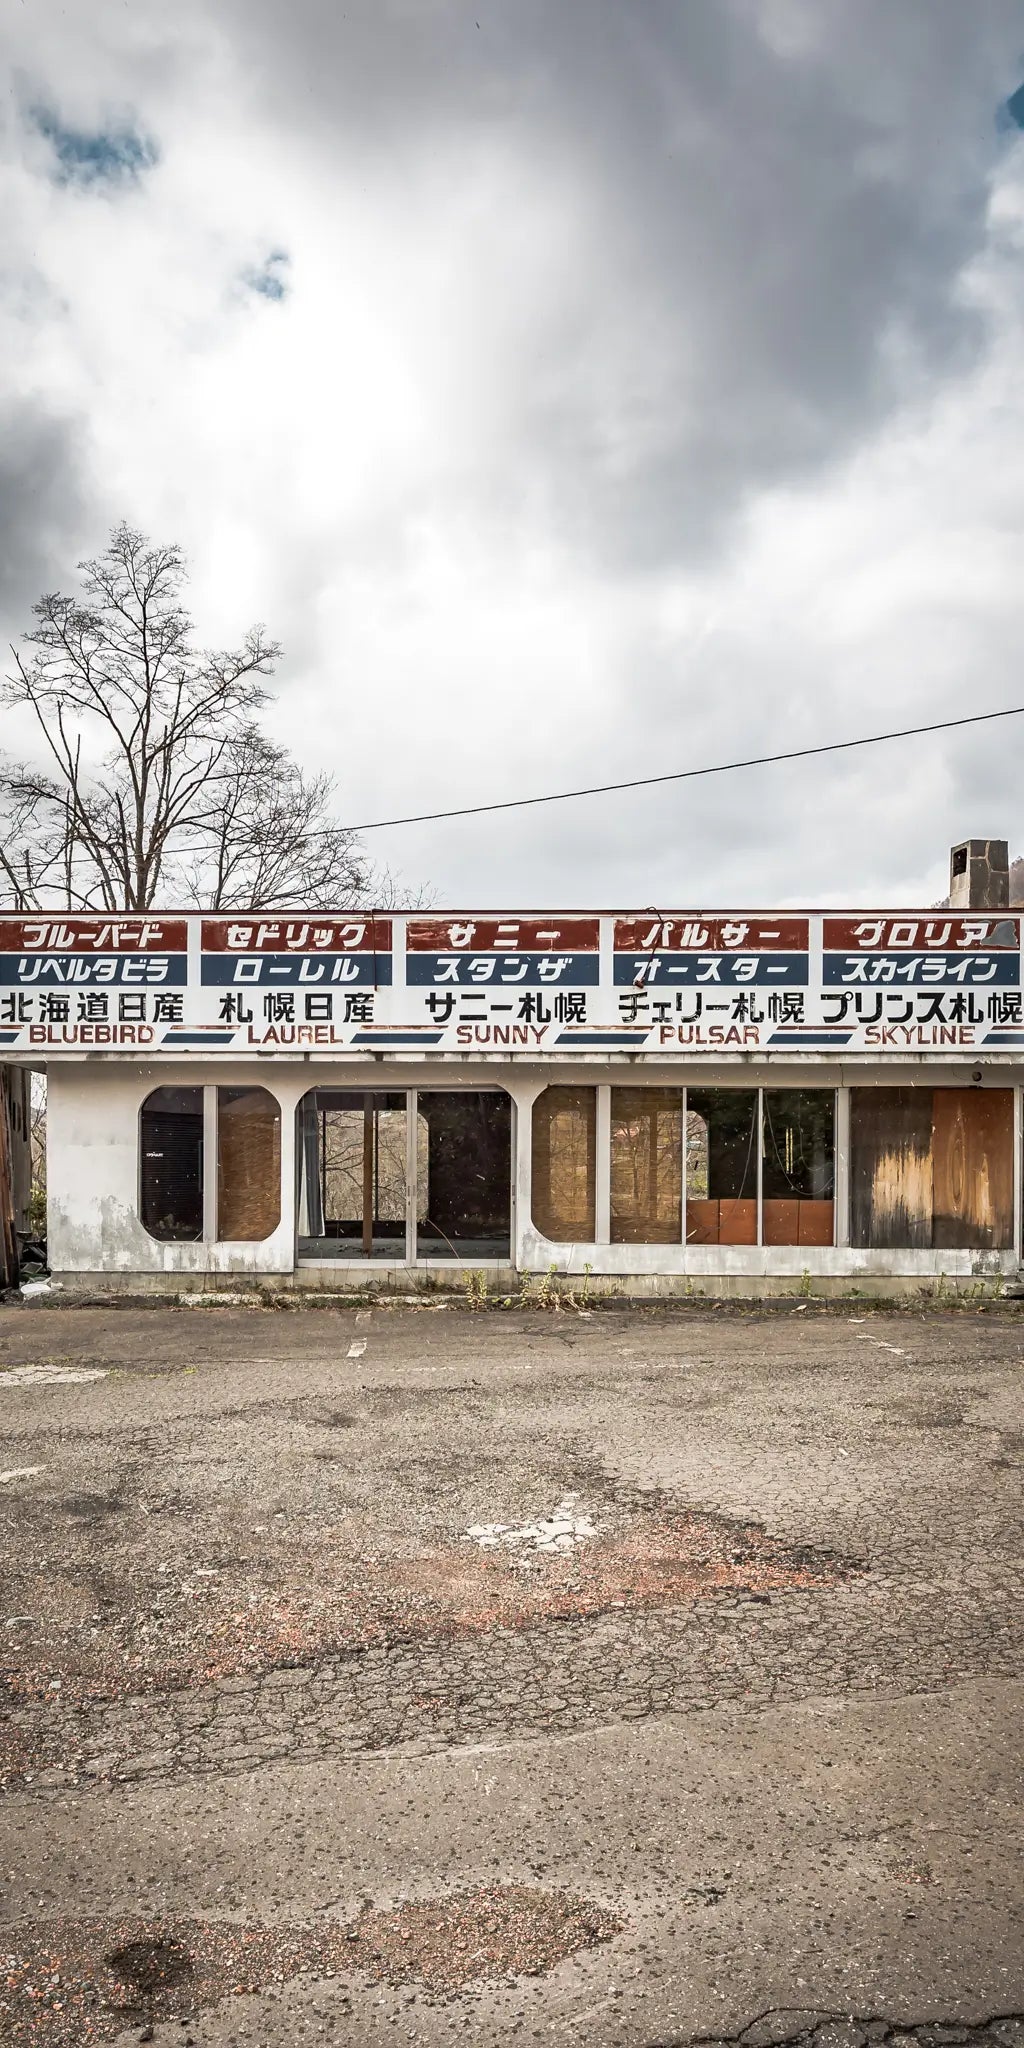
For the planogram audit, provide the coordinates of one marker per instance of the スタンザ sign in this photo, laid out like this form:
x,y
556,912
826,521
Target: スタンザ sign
x,y
651,982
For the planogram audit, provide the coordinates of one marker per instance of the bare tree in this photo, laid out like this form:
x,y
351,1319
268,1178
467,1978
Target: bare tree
x,y
157,784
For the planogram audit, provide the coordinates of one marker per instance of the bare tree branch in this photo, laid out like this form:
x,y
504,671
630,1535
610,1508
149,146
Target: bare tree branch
x,y
160,786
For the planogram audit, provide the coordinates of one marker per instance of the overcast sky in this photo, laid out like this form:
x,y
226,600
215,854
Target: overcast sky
x,y
578,388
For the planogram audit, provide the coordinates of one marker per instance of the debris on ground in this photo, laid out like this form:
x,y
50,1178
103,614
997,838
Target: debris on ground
x,y
560,1531
69,1984
161,1633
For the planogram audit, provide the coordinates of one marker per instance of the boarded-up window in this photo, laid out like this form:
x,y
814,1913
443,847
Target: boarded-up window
x,y
721,1166
797,1167
248,1164
646,1167
171,1164
564,1163
931,1168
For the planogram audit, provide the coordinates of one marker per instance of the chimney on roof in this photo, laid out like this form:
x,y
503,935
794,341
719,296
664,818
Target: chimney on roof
x,y
979,875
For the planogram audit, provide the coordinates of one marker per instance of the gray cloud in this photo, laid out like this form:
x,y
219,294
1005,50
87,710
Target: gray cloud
x,y
639,296
774,231
42,495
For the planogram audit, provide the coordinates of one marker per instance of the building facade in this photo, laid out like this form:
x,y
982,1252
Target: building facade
x,y
660,1102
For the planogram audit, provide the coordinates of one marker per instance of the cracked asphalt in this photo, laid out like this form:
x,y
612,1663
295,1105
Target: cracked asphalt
x,y
765,1723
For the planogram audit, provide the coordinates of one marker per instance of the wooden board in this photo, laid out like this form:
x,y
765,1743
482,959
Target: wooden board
x,y
248,1164
891,1168
972,1150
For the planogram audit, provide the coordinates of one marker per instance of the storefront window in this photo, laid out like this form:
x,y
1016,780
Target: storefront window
x,y
721,1166
248,1164
931,1168
798,1166
647,1166
171,1164
564,1164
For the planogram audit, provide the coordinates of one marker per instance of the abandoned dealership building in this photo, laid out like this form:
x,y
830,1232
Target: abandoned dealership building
x,y
664,1101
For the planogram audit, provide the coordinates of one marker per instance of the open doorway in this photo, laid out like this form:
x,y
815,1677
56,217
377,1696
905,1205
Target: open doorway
x,y
352,1174
405,1176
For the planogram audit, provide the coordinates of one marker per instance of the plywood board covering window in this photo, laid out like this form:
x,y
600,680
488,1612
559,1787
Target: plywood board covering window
x,y
248,1164
932,1168
564,1164
646,1165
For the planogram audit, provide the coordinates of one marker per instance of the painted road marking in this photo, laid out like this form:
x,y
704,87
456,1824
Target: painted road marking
x,y
48,1376
21,1472
356,1350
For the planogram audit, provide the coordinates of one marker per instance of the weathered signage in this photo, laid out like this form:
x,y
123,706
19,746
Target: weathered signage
x,y
653,982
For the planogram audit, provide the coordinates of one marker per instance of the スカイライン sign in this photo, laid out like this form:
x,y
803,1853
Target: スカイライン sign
x,y
574,983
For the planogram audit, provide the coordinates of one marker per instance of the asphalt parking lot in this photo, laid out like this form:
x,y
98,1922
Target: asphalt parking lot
x,y
398,1674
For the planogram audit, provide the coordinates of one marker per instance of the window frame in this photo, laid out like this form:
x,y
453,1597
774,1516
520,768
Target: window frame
x,y
209,1093
413,1258
604,1089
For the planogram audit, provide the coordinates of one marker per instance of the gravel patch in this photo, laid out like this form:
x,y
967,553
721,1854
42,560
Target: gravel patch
x,y
71,1983
208,1626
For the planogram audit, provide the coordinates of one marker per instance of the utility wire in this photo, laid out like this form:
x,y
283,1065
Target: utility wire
x,y
564,796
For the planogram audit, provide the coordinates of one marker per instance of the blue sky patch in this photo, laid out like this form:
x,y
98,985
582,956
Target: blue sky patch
x,y
1013,109
270,277
102,156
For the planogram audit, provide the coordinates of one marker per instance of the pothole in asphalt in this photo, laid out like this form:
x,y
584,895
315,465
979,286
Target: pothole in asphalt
x,y
298,1607
151,1965
67,1982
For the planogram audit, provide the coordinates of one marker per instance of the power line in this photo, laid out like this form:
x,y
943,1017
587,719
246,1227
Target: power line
x,y
564,796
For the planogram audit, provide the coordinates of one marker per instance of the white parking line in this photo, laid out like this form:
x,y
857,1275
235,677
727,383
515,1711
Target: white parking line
x,y
48,1376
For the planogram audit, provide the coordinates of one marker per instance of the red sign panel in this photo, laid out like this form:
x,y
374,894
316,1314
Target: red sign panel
x,y
683,932
935,932
551,934
284,934
75,934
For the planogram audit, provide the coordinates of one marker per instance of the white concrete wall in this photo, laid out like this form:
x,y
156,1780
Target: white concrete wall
x,y
93,1171
92,1153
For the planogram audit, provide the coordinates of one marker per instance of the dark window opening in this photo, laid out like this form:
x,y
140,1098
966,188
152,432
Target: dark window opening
x,y
171,1164
798,1166
464,1174
721,1166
